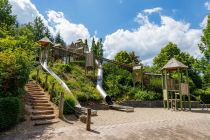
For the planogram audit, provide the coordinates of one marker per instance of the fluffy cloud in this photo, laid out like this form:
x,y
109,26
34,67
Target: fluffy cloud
x,y
26,12
68,30
153,10
207,5
149,38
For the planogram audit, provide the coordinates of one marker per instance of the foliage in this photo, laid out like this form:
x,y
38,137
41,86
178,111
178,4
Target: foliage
x,y
203,95
59,40
11,112
169,51
97,48
205,49
147,96
7,19
15,68
123,57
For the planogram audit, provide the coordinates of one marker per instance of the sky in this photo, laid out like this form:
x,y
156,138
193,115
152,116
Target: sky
x,y
143,26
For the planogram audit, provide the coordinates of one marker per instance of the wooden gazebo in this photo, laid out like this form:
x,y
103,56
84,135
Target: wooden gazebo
x,y
175,84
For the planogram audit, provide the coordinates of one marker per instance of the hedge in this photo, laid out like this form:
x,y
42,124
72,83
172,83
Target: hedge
x,y
11,112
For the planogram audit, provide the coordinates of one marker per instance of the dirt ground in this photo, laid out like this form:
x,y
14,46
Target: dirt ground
x,y
142,124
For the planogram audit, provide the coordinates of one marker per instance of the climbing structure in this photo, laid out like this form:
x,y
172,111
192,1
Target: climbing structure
x,y
175,84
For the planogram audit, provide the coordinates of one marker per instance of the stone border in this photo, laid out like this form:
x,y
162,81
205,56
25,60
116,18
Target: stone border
x,y
154,104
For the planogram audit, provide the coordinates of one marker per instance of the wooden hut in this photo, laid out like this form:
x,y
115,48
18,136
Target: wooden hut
x,y
174,84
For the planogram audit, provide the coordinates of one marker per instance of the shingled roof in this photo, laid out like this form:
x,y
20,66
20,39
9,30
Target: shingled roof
x,y
174,64
44,41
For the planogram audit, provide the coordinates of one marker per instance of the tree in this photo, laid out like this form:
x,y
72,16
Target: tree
x,y
48,34
7,20
59,40
39,28
123,57
94,47
134,58
169,51
205,49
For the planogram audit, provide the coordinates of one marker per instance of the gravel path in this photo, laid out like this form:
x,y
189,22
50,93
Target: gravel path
x,y
144,123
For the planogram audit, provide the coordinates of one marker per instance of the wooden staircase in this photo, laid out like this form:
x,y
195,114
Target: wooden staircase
x,y
41,109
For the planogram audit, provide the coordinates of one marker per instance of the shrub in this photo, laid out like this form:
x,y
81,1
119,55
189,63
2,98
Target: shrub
x,y
203,95
15,68
69,104
147,96
11,112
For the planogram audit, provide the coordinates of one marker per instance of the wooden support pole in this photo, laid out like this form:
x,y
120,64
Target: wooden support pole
x,y
37,75
52,91
45,83
180,92
189,101
88,120
61,104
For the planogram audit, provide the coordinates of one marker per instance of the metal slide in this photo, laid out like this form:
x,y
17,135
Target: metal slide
x,y
43,62
107,98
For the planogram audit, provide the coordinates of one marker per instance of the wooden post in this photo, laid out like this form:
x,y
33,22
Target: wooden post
x,y
166,87
61,104
164,105
88,120
52,91
45,83
189,101
37,75
180,92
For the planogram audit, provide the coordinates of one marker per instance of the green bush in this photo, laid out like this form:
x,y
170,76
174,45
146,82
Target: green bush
x,y
203,95
11,112
69,104
15,68
155,85
147,96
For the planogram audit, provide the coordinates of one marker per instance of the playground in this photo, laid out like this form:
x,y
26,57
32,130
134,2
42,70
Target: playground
x,y
144,123
143,82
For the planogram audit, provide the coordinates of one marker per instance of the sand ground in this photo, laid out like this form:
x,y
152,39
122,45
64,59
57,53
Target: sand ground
x,y
142,124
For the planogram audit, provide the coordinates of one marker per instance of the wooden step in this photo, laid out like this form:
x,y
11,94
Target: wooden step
x,y
42,117
35,98
36,93
43,107
38,101
39,112
31,90
40,104
44,122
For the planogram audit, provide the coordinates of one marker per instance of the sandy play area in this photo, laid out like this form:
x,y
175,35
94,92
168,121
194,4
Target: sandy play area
x,y
143,123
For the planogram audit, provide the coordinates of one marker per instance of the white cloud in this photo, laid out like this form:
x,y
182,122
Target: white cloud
x,y
203,24
153,10
149,38
26,12
68,30
207,5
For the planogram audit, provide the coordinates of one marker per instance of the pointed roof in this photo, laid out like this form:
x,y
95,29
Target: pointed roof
x,y
44,41
173,64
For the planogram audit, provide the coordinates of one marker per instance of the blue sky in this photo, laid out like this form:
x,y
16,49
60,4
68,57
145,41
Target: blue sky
x,y
106,16
143,26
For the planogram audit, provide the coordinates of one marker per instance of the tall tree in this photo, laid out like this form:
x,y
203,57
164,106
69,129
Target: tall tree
x,y
49,35
7,20
123,57
39,28
59,40
205,49
134,58
169,51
